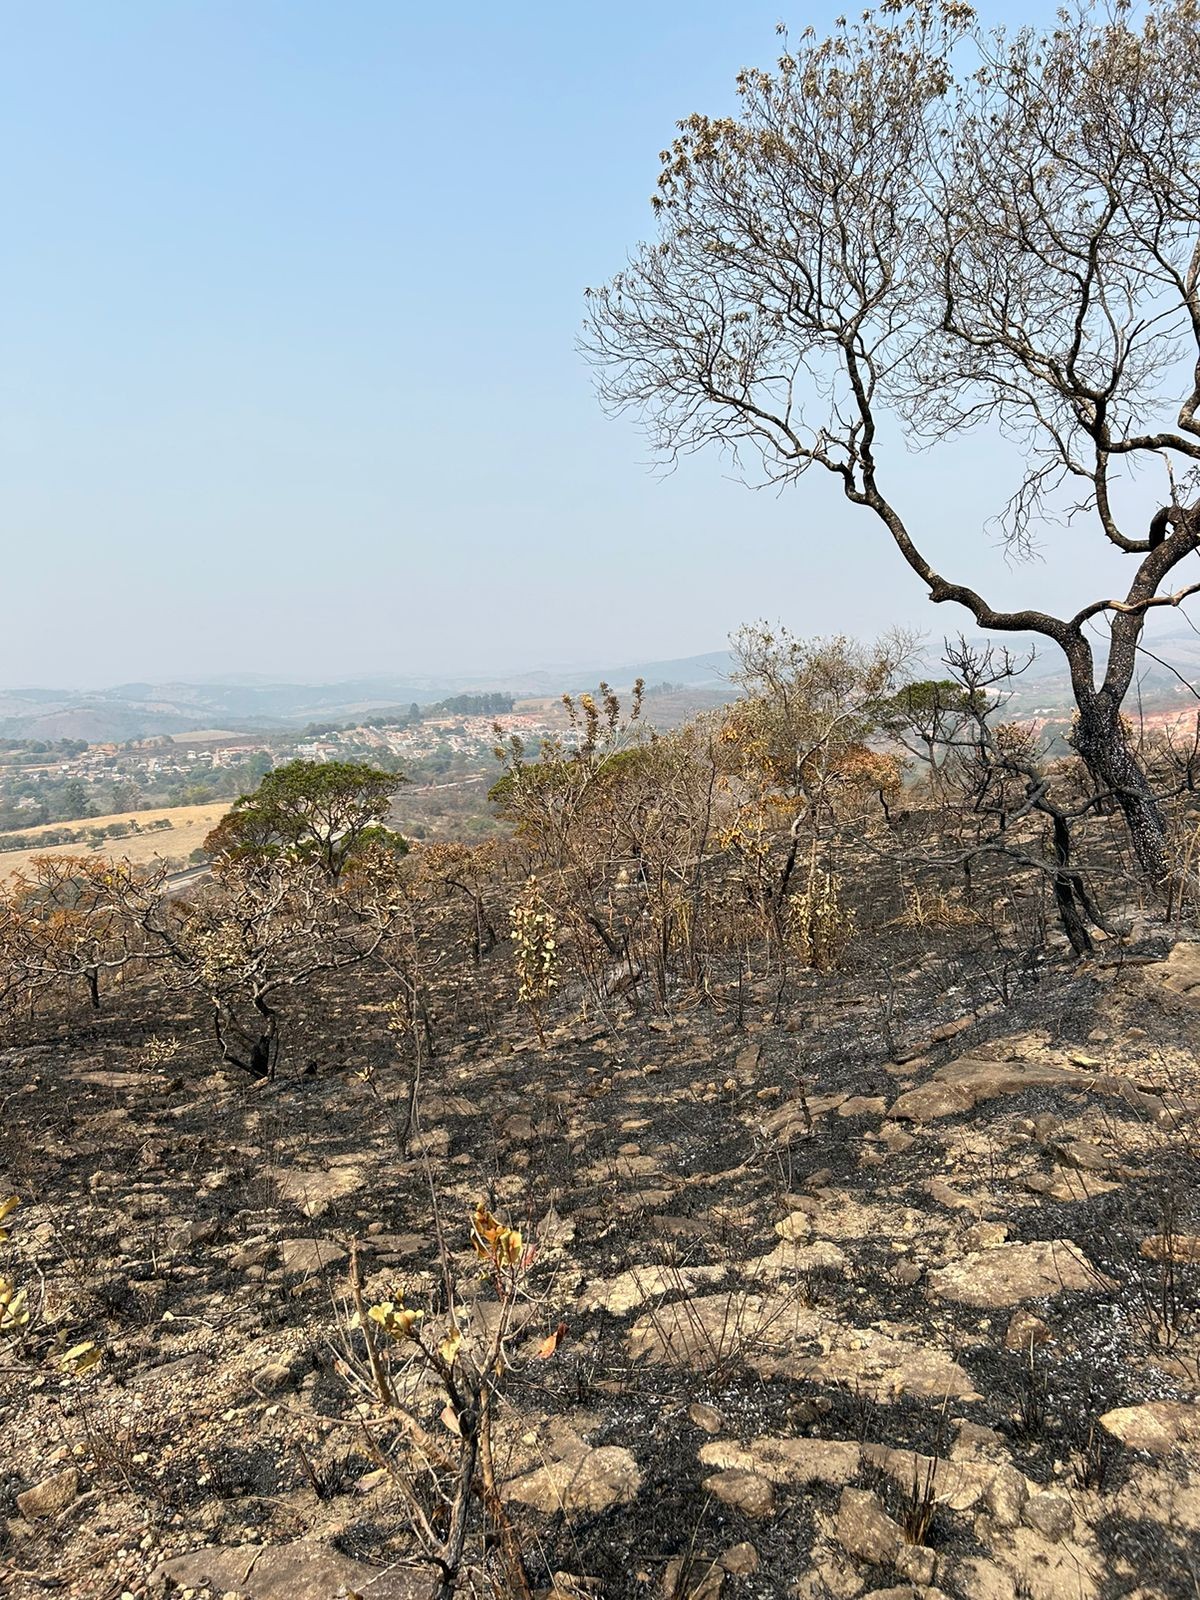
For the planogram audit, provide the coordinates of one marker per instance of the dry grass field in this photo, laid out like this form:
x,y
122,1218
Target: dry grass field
x,y
189,827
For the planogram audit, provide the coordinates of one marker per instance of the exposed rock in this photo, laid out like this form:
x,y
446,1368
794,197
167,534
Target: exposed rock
x,y
963,1084
707,1330
694,1578
862,1106
305,1569
429,1142
200,1231
740,1559
1179,974
591,1480
916,1563
831,1461
1173,1247
1006,1496
633,1288
789,1260
847,1217
1157,1427
947,1195
959,1485
746,1065
985,1235
774,1335
1025,1331
1012,1272
1051,1514
911,1591
49,1497
874,1362
273,1378
254,1254
796,1225
315,1189
865,1529
795,1118
705,1417
304,1257
973,1442
629,1168
832,1578
1081,1155
950,1030
746,1492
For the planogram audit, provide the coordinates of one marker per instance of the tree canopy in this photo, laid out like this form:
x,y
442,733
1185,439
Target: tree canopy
x,y
320,811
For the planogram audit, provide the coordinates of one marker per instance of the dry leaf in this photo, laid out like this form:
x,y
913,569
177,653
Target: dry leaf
x,y
549,1345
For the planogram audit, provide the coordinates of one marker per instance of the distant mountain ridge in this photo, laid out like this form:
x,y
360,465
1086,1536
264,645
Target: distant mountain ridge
x,y
248,703
143,710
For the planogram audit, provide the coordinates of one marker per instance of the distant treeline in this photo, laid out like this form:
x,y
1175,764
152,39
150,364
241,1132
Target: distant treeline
x,y
43,747
472,705
53,837
494,704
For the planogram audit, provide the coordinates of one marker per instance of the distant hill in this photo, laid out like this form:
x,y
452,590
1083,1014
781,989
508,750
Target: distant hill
x,y
143,710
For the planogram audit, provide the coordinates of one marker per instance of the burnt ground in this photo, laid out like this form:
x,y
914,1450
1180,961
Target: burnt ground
x,y
933,1220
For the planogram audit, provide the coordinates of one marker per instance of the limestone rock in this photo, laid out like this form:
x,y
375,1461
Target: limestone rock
x,y
304,1257
913,1591
591,1480
773,1335
1174,1247
959,1485
789,1260
796,1225
1050,1514
862,1106
916,1563
696,1578
304,1569
1158,1427
707,1418
1006,1497
865,1529
832,1461
740,1559
963,1084
742,1491
1179,974
631,1289
274,1378
1009,1273
315,1189
49,1497
1025,1331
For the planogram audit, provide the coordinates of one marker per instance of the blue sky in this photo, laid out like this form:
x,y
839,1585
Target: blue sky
x,y
288,382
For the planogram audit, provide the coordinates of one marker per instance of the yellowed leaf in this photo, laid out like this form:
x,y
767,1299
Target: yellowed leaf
x,y
80,1359
451,1344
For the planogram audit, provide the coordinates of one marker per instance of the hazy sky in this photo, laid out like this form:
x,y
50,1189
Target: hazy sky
x,y
288,301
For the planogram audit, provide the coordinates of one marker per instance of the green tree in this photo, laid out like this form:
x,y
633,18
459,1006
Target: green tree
x,y
75,800
931,718
325,812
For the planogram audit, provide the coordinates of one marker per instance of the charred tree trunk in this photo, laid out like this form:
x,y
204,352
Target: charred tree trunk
x,y
1102,742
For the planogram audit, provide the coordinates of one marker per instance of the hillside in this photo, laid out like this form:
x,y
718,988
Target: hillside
x,y
846,1300
187,830
143,710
